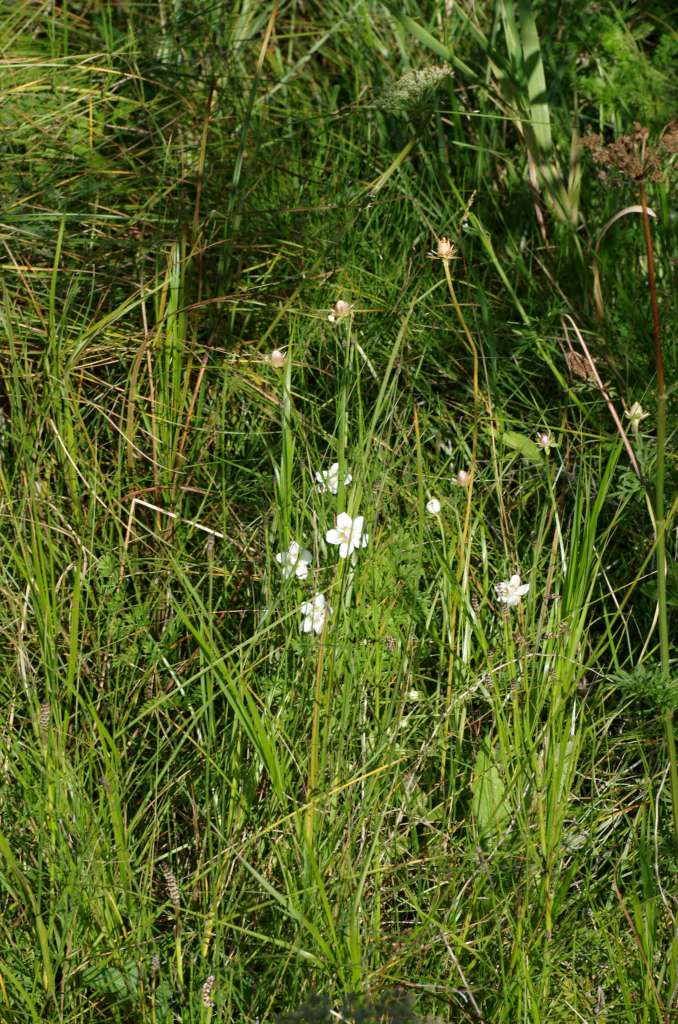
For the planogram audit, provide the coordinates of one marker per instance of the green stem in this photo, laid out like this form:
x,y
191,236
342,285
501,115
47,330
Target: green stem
x,y
312,783
660,513
464,536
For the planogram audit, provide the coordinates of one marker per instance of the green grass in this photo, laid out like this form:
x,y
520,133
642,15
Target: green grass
x,y
440,801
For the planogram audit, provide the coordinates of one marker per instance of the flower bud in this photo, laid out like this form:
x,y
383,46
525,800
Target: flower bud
x,y
340,309
445,249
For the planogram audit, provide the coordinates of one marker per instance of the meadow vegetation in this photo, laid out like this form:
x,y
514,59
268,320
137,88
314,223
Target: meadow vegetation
x,y
336,470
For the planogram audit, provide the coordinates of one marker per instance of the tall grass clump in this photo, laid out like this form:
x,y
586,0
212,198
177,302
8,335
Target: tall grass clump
x,y
338,498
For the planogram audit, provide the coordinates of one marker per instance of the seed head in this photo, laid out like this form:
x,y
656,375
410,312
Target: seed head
x,y
172,885
340,309
206,994
445,250
43,718
630,156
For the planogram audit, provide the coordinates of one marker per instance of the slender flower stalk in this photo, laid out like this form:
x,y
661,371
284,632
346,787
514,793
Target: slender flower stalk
x,y
660,513
446,256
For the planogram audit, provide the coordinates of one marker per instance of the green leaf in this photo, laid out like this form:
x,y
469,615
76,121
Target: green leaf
x,y
523,444
121,985
490,807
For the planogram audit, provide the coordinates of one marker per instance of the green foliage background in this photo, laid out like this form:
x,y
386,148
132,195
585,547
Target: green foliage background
x,y
458,811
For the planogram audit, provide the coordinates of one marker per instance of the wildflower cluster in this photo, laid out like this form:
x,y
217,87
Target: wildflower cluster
x,y
347,534
414,88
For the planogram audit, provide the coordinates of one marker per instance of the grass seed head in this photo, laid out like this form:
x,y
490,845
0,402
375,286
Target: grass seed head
x,y
206,993
172,886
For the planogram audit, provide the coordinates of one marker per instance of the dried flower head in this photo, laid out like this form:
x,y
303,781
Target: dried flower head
x,y
629,156
463,478
340,309
444,250
579,365
669,139
277,359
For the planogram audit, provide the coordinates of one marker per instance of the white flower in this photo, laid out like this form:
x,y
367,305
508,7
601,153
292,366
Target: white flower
x,y
463,478
277,359
509,592
433,506
545,441
315,614
340,309
328,479
348,534
414,88
635,414
294,560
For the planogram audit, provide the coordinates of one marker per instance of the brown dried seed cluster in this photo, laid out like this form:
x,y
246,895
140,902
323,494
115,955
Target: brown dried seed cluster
x,y
629,156
579,366
172,886
669,139
43,718
207,991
